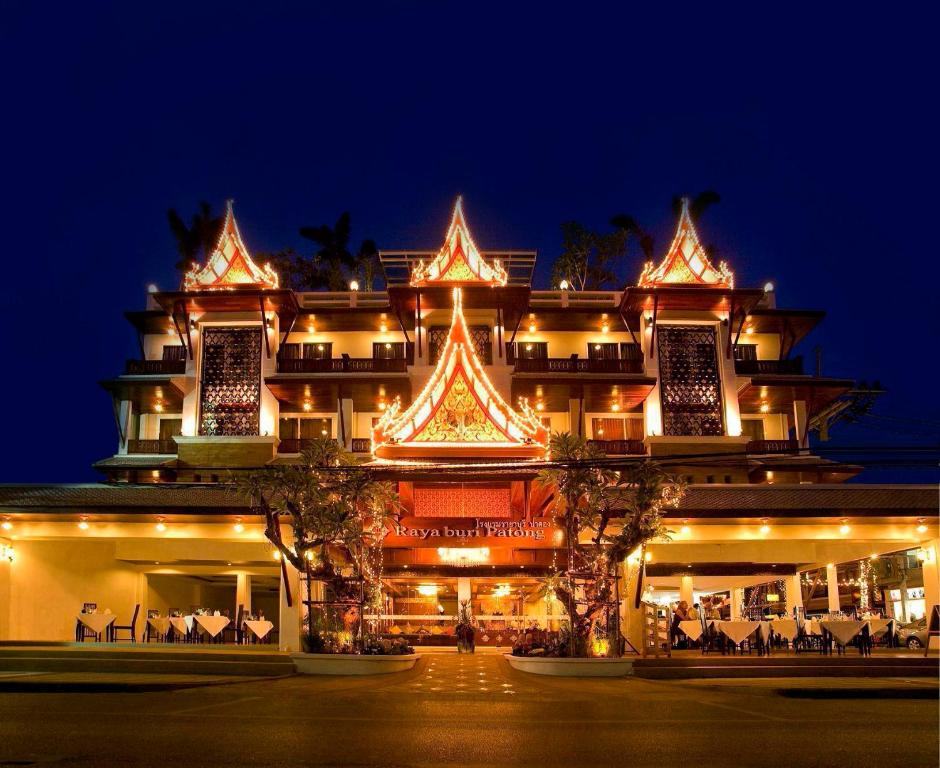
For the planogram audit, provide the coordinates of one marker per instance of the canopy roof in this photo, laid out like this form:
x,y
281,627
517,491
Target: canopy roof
x,y
230,266
459,412
459,261
686,262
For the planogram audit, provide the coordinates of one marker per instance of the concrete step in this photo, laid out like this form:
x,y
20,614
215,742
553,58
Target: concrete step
x,y
786,666
140,661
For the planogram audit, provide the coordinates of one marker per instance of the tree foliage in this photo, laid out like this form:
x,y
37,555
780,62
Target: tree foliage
x,y
333,264
619,510
194,242
589,260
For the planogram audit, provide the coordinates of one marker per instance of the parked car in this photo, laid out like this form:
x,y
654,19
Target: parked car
x,y
914,634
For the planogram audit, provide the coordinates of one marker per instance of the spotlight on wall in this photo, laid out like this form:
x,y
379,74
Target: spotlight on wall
x,y
83,523
845,527
764,529
239,526
160,526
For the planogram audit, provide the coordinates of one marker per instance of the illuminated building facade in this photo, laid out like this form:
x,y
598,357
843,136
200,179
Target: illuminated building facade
x,y
451,381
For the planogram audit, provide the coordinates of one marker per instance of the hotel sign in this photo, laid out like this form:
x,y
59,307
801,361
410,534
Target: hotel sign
x,y
478,532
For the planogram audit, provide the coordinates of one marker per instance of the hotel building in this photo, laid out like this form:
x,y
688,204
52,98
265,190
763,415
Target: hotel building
x,y
451,380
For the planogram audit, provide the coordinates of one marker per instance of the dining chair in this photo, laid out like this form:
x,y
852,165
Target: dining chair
x,y
130,628
82,632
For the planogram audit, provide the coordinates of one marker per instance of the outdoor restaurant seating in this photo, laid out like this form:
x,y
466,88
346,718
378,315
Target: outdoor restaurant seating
x,y
131,628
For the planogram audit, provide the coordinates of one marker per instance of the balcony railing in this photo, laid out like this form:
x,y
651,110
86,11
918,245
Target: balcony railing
x,y
773,446
155,367
620,447
297,444
577,365
152,446
793,367
343,365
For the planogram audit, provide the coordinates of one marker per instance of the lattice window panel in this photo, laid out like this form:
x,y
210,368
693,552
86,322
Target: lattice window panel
x,y
690,382
479,334
230,402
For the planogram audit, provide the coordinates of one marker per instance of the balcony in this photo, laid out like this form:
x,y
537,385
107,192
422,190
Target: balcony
x,y
343,364
166,447
576,365
620,447
757,447
297,444
155,368
792,367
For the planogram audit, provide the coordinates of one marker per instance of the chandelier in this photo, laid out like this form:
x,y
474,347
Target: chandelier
x,y
463,557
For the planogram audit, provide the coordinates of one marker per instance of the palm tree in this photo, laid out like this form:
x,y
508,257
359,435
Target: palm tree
x,y
631,228
333,265
195,242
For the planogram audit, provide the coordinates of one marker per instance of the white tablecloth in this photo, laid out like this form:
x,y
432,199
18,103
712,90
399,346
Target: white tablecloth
x,y
182,624
786,628
843,631
812,627
880,626
212,625
259,627
692,629
739,631
97,622
160,623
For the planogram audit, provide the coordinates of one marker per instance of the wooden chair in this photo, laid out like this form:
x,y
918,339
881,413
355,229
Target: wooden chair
x,y
130,628
82,632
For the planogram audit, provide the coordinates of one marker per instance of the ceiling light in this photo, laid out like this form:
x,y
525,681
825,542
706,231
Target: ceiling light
x,y
615,407
83,524
845,527
308,406
921,526
540,406
238,527
531,327
764,408
383,328
427,590
764,529
605,328
160,526
6,525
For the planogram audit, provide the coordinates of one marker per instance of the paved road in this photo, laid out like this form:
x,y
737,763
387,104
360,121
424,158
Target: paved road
x,y
472,711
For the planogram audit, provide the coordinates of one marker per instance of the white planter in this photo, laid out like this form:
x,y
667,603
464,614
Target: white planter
x,y
351,664
562,667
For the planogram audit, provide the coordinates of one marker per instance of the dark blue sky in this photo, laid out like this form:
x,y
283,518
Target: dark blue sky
x,y
818,130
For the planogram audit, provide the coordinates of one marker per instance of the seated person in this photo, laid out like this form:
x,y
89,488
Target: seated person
x,y
693,614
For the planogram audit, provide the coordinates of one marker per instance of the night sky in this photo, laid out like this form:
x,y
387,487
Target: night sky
x,y
817,130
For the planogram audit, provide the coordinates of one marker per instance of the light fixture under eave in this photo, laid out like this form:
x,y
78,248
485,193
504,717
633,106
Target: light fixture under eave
x,y
921,526
765,528
463,557
83,523
239,526
7,552
427,590
161,525
6,525
845,527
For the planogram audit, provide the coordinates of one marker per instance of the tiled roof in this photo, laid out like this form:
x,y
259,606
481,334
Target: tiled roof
x,y
32,497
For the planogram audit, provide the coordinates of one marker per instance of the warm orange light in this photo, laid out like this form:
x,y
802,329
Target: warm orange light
x,y
615,407
648,556
160,526
764,408
308,406
532,328
845,527
540,406
238,527
765,528
83,524
6,525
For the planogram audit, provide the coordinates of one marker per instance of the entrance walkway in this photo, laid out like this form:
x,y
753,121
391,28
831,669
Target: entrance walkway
x,y
481,674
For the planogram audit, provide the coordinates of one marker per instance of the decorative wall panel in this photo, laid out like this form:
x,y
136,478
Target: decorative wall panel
x,y
690,382
230,401
462,501
479,335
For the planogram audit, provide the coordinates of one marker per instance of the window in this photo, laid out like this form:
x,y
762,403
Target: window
x,y
479,335
321,350
745,352
531,350
630,351
304,427
388,350
752,429
170,428
174,352
604,351
617,428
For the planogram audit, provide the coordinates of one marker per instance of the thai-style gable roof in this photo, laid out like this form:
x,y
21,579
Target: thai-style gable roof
x,y
459,262
230,265
459,412
686,262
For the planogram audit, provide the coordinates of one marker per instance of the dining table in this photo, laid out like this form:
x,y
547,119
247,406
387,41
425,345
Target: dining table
x,y
843,631
737,631
97,622
691,628
160,624
182,625
260,628
211,624
788,629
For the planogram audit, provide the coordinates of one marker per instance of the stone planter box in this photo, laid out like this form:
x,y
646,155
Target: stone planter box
x,y
351,664
561,667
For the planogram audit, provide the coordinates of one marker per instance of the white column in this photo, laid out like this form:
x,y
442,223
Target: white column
x,y
794,593
464,591
931,578
685,589
289,620
801,433
242,592
737,601
832,588
344,420
575,417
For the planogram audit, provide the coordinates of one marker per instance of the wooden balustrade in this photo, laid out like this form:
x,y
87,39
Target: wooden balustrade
x,y
620,447
152,446
576,365
793,367
155,367
773,446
